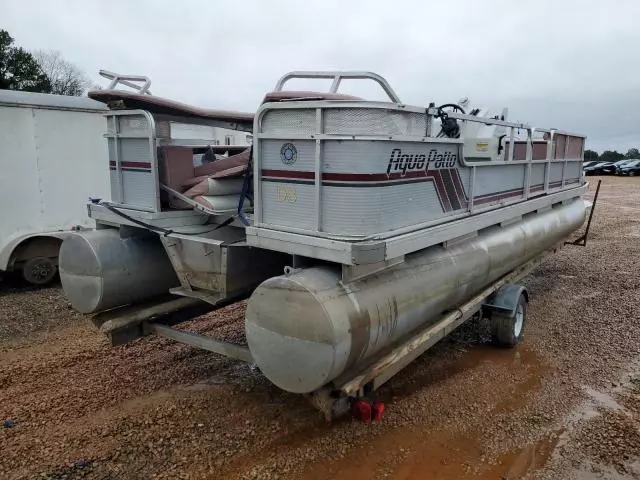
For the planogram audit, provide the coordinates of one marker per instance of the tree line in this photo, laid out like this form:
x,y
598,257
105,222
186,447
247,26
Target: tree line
x,y
611,155
39,71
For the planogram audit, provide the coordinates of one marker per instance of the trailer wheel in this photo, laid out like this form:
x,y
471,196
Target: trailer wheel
x,y
39,270
508,330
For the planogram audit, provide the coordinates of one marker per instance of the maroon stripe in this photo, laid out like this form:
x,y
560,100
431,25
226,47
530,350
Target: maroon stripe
x,y
487,195
499,196
372,177
440,190
537,188
450,189
516,192
112,163
457,181
559,184
571,180
143,170
348,177
288,174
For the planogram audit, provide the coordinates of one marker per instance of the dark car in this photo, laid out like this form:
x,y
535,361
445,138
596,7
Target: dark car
x,y
612,168
631,168
597,168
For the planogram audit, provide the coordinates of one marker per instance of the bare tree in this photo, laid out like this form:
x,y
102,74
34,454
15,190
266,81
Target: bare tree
x,y
66,78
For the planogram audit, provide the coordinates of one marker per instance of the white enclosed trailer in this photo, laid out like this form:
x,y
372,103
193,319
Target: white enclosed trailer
x,y
52,159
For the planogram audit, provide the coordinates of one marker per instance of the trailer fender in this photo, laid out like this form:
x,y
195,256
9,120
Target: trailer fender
x,y
505,300
16,248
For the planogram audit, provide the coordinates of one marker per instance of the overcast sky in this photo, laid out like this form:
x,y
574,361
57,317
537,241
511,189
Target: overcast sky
x,y
568,64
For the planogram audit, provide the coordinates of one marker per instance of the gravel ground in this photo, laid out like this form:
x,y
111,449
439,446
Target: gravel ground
x,y
564,404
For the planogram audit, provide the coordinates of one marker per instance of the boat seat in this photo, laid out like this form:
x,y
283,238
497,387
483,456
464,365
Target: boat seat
x,y
221,177
163,106
179,173
230,167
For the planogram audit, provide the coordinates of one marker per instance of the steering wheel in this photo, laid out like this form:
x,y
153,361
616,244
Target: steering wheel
x,y
452,106
449,126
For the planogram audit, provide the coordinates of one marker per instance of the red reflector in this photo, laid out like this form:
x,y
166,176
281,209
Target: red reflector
x,y
377,411
361,410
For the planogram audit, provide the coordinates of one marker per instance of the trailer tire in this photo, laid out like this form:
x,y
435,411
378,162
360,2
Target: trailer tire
x,y
508,330
39,270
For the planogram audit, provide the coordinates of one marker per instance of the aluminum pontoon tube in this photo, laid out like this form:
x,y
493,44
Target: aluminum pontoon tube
x,y
100,270
307,328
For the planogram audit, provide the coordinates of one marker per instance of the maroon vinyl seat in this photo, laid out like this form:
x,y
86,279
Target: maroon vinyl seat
x,y
164,106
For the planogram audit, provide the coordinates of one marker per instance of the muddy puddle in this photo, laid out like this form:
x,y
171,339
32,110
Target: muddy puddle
x,y
443,451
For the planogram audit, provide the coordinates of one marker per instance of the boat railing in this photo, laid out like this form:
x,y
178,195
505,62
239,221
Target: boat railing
x,y
142,85
561,145
337,79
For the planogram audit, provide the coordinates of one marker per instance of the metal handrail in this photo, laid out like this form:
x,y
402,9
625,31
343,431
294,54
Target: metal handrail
x,y
472,118
337,78
531,131
494,121
128,80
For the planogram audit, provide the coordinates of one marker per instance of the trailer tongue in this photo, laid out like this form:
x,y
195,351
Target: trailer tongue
x,y
361,232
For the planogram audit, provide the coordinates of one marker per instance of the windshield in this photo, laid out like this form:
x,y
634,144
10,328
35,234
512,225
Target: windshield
x,y
632,163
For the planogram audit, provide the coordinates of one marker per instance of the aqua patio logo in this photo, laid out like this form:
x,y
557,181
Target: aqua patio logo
x,y
400,162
